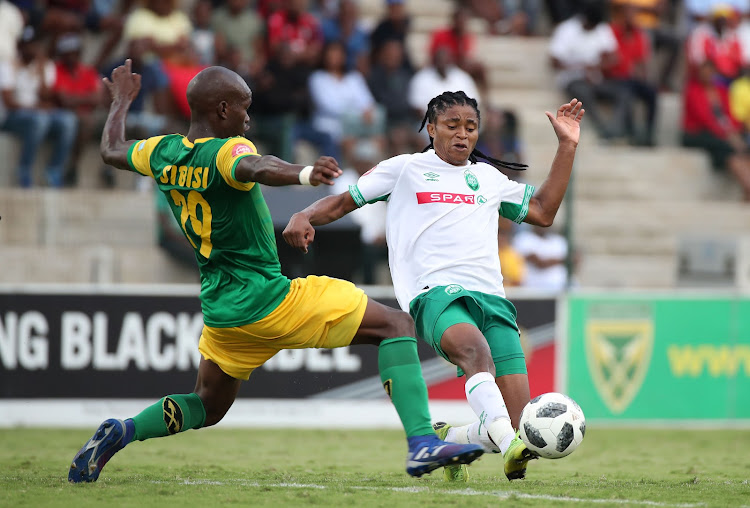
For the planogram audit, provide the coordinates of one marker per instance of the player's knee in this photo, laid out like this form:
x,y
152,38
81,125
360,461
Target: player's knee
x,y
473,358
400,324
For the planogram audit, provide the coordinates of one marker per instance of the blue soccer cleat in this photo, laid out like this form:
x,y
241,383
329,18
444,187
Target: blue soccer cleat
x,y
109,438
427,453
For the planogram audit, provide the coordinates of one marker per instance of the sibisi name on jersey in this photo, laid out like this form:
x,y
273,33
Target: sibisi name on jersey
x,y
445,197
185,176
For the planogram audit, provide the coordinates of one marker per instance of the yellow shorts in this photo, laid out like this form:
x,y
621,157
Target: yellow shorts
x,y
318,312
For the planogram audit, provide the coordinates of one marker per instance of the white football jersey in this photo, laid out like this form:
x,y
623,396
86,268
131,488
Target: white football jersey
x,y
442,221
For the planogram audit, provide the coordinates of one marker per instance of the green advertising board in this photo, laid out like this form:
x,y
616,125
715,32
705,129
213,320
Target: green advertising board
x,y
658,358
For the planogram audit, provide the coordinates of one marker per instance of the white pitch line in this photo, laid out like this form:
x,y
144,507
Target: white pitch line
x,y
465,492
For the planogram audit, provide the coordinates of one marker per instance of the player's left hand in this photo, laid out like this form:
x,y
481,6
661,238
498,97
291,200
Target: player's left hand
x,y
325,170
299,233
125,84
567,121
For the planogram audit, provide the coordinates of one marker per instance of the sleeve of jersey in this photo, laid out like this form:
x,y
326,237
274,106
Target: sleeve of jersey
x,y
139,155
229,156
514,200
378,183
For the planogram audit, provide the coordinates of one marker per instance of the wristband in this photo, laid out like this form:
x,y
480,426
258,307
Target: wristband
x,y
304,175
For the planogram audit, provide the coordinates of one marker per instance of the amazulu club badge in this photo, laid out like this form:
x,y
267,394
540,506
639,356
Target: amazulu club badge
x,y
471,180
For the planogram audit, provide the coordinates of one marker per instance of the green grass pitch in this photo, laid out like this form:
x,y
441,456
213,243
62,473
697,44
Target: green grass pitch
x,y
279,468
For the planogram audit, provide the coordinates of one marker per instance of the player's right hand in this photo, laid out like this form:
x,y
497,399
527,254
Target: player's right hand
x,y
124,84
299,233
325,170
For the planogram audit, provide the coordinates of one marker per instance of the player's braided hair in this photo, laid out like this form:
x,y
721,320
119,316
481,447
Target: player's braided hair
x,y
444,101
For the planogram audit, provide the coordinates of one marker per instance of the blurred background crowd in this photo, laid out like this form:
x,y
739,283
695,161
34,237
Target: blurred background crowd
x,y
328,81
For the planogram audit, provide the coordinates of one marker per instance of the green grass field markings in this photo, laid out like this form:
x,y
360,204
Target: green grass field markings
x,y
419,490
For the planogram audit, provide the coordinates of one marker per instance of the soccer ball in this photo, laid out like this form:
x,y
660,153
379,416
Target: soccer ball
x,y
552,425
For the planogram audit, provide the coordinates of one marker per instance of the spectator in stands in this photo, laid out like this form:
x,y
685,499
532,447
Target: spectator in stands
x,y
499,136
437,78
581,48
238,26
166,29
299,29
515,17
203,37
343,106
388,80
631,70
650,17
11,28
715,40
394,26
347,28
180,69
460,43
281,99
512,263
27,110
707,123
545,253
78,88
739,101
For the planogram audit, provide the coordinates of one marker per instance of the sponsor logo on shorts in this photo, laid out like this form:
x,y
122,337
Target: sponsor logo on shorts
x,y
445,197
240,149
453,289
471,180
172,415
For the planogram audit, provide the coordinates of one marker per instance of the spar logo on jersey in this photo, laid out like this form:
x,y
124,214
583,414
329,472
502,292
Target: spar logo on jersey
x,y
445,197
471,180
240,149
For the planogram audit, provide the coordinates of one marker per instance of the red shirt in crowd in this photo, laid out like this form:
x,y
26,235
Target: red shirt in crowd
x,y
298,33
633,48
725,52
700,114
459,46
80,81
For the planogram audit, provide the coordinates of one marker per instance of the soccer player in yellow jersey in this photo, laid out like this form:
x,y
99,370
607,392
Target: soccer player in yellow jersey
x,y
251,311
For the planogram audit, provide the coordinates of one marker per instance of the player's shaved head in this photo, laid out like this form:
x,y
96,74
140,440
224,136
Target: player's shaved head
x,y
213,85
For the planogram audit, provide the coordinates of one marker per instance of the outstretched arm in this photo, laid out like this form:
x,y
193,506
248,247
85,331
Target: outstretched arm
x,y
270,170
546,201
300,233
123,88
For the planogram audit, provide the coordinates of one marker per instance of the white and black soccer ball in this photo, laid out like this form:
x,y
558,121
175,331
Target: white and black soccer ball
x,y
552,425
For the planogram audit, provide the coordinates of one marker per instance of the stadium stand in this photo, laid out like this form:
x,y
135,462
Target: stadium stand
x,y
630,205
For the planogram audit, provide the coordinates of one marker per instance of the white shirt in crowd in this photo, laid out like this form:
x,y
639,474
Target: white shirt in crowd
x,y
549,246
25,82
428,83
577,48
333,98
441,223
11,28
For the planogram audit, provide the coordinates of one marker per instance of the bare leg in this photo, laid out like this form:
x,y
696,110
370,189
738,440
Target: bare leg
x,y
216,389
466,347
515,390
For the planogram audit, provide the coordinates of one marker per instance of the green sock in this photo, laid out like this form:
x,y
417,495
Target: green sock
x,y
402,379
172,414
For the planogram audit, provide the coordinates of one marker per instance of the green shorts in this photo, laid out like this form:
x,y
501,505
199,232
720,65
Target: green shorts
x,y
444,306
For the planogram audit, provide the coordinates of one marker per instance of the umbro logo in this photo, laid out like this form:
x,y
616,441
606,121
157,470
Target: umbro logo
x,y
431,177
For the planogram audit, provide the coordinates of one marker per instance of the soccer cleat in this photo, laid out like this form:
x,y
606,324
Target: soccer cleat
x,y
109,438
516,457
459,473
427,453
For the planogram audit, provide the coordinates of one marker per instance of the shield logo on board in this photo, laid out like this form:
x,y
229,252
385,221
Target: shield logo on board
x,y
618,352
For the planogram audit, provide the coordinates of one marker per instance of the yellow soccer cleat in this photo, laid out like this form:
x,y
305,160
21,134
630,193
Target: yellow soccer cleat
x,y
516,457
458,473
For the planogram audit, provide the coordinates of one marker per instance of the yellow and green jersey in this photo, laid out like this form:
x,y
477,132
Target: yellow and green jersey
x,y
226,221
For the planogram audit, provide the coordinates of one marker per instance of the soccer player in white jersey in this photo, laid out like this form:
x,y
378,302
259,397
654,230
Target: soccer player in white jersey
x,y
443,207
